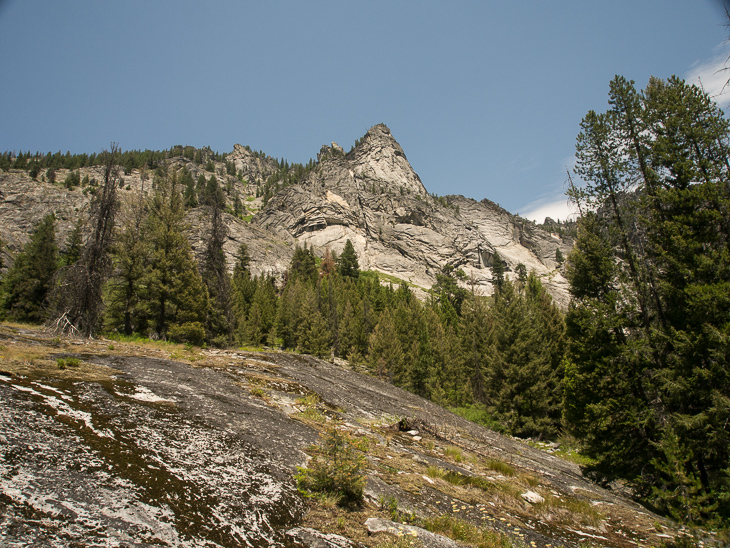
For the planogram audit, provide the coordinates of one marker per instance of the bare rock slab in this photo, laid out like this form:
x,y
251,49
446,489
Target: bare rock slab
x,y
311,538
427,538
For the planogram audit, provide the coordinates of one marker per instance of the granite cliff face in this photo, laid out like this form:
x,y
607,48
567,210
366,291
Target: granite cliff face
x,y
370,195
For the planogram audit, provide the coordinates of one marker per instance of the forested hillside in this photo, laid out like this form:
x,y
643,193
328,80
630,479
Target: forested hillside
x,y
636,371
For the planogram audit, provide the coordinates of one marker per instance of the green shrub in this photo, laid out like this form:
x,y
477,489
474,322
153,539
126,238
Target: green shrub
x,y
188,332
63,363
337,470
72,180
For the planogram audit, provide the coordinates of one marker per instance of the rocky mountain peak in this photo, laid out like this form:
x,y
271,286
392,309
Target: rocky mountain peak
x,y
255,167
373,197
370,195
379,158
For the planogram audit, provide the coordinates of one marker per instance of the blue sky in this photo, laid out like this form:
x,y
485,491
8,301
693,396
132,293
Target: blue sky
x,y
485,97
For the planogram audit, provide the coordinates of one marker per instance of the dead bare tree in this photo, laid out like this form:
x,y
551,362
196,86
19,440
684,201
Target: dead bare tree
x,y
77,299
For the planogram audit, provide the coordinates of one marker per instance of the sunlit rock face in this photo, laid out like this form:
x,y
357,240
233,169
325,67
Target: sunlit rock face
x,y
169,458
155,445
373,197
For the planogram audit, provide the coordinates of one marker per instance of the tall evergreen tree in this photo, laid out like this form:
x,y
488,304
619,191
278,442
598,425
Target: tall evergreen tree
x,y
498,269
26,285
130,256
215,273
476,339
646,383
78,300
175,294
74,244
385,352
190,198
524,378
348,265
303,265
242,290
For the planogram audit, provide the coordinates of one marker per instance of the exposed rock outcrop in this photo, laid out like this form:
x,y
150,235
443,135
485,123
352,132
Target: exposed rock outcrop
x,y
254,167
142,445
372,197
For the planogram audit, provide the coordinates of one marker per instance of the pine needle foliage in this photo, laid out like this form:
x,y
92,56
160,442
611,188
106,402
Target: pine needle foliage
x,y
647,387
338,469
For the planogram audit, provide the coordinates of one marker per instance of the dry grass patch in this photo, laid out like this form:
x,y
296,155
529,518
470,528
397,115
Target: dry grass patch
x,y
34,361
463,531
568,511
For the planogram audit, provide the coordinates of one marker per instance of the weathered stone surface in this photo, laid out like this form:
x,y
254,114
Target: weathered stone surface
x,y
311,538
532,497
255,168
133,448
427,538
24,202
373,197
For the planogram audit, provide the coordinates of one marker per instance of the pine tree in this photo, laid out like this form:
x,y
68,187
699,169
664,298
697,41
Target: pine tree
x,y
423,362
74,244
524,379
215,275
28,281
328,263
303,265
78,300
288,313
242,290
314,335
190,198
348,265
448,292
498,270
646,382
385,352
130,256
175,294
476,339
259,324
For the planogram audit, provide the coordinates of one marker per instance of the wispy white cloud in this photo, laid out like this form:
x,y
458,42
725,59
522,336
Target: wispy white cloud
x,y
713,75
554,207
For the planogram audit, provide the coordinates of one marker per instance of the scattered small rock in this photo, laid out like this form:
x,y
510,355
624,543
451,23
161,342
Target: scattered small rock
x,y
532,497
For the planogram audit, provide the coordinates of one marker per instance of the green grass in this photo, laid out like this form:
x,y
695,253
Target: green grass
x,y
454,453
140,339
500,467
312,414
479,415
578,511
310,400
257,392
460,480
